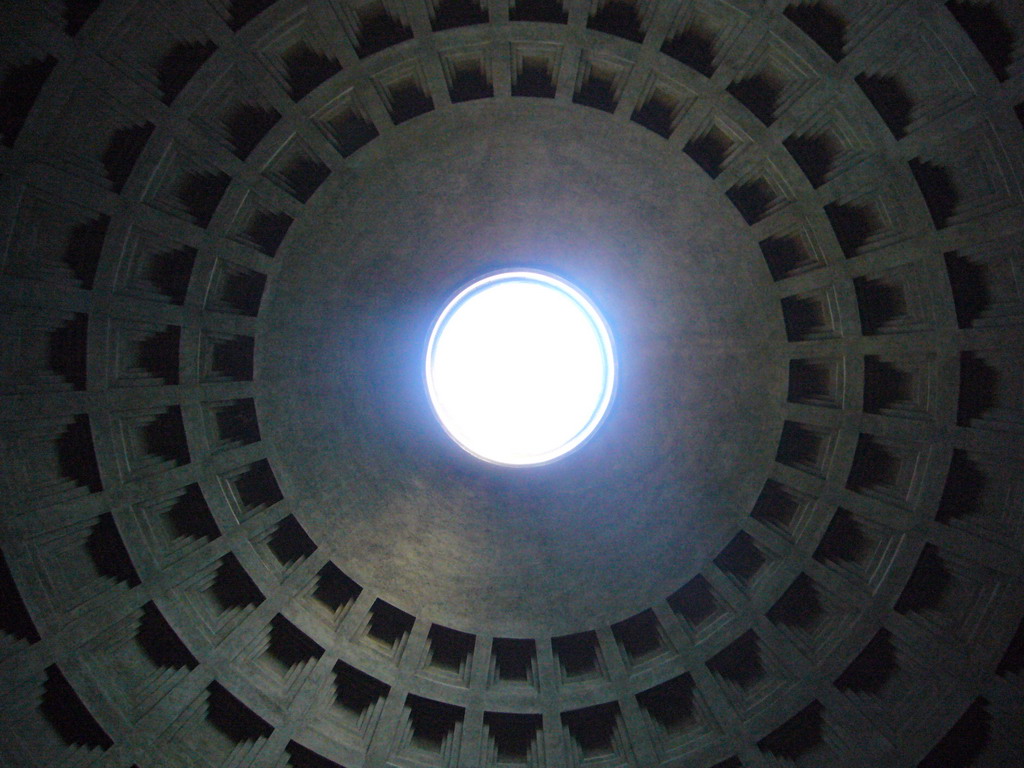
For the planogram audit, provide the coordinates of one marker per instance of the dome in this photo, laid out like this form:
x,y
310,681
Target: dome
x,y
234,531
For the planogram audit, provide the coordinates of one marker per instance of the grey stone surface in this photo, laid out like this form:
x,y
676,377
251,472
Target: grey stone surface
x,y
231,532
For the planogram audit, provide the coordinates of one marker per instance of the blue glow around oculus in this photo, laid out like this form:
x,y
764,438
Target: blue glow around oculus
x,y
520,368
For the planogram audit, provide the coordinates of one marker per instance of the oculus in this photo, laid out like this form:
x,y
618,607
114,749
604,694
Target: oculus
x,y
520,368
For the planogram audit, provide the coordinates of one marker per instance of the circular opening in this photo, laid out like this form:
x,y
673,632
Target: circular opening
x,y
520,368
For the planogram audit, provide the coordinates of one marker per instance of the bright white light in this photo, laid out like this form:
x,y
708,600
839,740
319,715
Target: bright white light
x,y
520,368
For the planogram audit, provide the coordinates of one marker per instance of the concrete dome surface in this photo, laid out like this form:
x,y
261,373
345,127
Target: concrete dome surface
x,y
232,531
